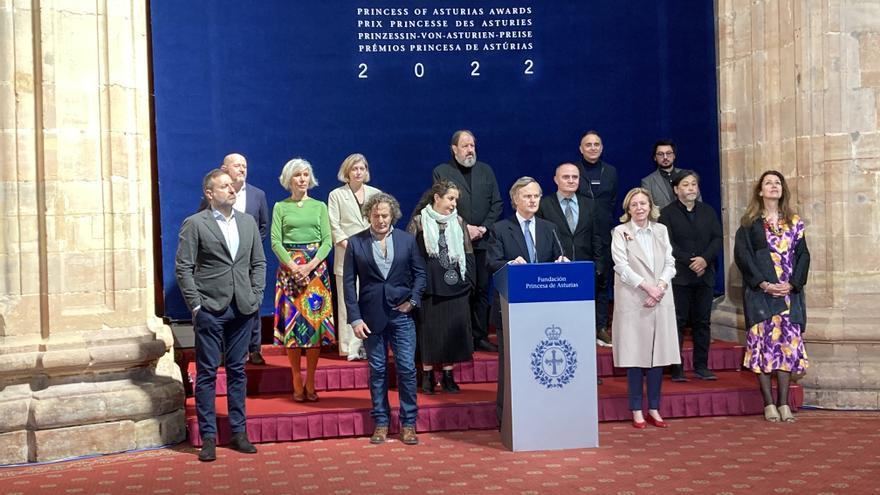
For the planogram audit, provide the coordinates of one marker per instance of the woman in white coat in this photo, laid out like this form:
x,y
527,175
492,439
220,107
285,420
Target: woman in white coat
x,y
346,219
644,332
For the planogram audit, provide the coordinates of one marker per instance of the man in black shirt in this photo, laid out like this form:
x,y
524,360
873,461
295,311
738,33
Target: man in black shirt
x,y
695,234
599,183
479,204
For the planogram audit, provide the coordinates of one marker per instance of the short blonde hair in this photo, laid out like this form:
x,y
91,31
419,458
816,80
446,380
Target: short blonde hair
x,y
349,162
293,167
653,215
519,184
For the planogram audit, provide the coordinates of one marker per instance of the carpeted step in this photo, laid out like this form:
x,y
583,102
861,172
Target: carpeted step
x,y
276,418
336,373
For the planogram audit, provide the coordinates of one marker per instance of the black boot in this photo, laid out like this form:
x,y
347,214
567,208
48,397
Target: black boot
x,y
448,383
428,382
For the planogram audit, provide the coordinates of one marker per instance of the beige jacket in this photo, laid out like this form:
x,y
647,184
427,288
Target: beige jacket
x,y
643,337
346,219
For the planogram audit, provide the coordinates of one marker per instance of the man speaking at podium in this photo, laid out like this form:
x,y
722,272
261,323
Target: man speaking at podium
x,y
522,238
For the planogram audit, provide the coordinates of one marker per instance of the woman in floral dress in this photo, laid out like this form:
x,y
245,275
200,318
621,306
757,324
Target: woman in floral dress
x,y
771,252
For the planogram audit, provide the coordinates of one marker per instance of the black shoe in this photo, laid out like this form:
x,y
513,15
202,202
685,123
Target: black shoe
x,y
598,381
448,383
257,358
705,374
209,450
428,382
678,373
239,442
485,345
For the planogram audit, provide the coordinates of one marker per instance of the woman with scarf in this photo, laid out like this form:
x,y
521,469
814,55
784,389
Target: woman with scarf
x,y
443,319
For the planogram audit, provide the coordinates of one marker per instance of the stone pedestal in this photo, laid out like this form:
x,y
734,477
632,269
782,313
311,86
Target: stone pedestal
x,y
799,92
85,365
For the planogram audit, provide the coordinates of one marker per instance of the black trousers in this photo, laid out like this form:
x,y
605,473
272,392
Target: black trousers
x,y
693,304
480,297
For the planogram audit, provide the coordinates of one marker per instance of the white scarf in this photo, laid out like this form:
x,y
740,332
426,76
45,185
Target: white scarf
x,y
454,236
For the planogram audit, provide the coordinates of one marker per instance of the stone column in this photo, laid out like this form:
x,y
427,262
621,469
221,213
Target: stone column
x,y
799,92
85,366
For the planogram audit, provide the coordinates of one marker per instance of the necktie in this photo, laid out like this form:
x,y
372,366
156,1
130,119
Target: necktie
x,y
530,243
569,215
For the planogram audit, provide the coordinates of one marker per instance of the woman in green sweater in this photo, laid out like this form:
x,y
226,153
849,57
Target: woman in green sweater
x,y
303,303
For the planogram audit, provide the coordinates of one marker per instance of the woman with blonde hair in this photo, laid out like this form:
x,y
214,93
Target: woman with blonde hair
x,y
300,237
344,206
771,252
644,329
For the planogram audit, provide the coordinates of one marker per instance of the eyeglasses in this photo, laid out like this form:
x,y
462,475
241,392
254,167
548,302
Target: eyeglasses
x,y
661,154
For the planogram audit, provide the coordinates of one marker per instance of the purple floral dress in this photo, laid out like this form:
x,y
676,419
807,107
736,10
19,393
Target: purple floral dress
x,y
775,344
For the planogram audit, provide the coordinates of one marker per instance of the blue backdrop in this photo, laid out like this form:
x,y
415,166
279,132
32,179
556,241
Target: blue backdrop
x,y
279,79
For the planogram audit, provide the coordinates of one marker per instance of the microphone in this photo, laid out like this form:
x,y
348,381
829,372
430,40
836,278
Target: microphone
x,y
558,242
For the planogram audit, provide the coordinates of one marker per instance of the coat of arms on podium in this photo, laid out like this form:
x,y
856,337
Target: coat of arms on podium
x,y
554,360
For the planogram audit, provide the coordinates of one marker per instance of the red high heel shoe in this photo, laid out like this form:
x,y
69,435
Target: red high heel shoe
x,y
640,425
659,423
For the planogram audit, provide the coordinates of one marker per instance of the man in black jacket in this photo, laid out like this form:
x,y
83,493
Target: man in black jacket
x,y
479,203
575,218
598,181
522,238
695,234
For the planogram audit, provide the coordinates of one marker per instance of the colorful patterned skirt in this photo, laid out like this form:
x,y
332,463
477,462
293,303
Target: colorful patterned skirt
x,y
776,344
304,312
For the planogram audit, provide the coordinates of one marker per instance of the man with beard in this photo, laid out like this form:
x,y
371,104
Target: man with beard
x,y
221,271
598,182
480,205
659,182
251,200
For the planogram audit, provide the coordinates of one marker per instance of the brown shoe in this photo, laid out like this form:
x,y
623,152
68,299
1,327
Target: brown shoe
x,y
379,435
408,435
602,338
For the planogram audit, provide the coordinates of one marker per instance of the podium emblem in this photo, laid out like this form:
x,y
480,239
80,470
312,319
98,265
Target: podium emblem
x,y
554,360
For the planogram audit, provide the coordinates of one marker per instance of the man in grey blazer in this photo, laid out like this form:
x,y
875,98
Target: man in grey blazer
x,y
221,271
659,182
251,200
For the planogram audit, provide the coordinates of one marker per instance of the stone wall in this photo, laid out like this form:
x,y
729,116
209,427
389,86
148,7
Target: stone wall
x,y
799,92
85,366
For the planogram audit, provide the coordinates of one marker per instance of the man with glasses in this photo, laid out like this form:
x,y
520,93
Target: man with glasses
x,y
659,182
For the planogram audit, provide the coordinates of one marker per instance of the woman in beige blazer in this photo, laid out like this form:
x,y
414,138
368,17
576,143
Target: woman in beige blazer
x,y
645,336
346,219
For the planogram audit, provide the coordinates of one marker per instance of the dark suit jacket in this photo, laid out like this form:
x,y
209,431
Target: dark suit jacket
x,y
604,196
507,242
752,256
209,276
255,205
378,295
585,243
479,203
698,237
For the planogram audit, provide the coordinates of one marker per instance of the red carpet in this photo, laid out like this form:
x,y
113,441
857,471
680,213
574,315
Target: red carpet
x,y
343,410
832,453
